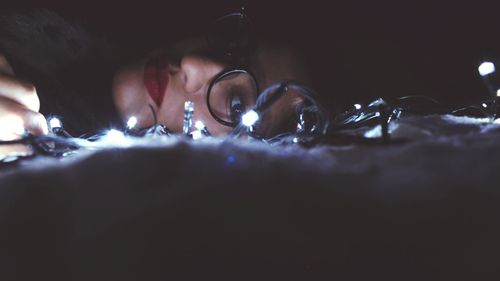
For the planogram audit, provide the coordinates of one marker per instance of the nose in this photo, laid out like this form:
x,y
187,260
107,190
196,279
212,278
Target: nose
x,y
198,72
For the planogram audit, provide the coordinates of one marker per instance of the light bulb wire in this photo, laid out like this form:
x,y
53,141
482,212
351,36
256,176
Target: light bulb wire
x,y
270,96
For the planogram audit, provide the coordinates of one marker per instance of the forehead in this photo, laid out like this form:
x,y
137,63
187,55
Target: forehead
x,y
198,45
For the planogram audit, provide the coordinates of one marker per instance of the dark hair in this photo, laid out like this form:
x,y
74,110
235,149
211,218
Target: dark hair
x,y
70,67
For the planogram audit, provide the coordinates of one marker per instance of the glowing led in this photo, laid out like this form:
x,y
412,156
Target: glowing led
x,y
486,68
376,132
197,135
295,140
188,114
484,105
132,121
188,106
498,93
115,135
199,125
55,123
357,106
249,118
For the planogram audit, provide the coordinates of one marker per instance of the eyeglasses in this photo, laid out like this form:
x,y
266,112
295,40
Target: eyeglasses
x,y
233,91
285,108
285,112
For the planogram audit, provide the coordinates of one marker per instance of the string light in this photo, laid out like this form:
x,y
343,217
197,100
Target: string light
x,y
199,125
374,132
115,136
486,68
200,132
188,114
131,123
45,144
196,135
250,118
55,123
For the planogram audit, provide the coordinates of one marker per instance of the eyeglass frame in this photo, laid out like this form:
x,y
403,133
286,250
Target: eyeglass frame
x,y
240,50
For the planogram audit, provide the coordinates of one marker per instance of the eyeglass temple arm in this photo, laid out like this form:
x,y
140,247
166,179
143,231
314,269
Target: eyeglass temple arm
x,y
267,103
263,103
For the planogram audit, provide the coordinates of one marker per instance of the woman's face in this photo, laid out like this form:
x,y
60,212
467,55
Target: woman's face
x,y
165,84
159,82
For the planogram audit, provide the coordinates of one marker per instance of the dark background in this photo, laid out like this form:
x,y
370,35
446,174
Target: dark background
x,y
357,50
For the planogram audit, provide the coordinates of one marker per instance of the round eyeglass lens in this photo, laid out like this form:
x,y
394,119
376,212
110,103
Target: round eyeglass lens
x,y
289,109
231,95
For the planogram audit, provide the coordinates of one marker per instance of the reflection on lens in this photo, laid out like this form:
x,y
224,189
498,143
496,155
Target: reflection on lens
x,y
288,109
230,95
280,117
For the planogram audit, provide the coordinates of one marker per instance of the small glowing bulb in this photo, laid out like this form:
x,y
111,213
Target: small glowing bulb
x,y
357,106
199,125
249,118
132,121
486,68
115,135
484,105
197,135
295,140
55,123
188,114
188,106
498,93
376,132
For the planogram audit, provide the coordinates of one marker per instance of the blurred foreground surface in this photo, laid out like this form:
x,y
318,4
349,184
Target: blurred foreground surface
x,y
428,209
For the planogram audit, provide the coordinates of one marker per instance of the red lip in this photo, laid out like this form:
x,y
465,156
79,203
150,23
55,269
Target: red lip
x,y
156,78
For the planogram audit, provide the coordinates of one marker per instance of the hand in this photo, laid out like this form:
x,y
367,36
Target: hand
x,y
19,106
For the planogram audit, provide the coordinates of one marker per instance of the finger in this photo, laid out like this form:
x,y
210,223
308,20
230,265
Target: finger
x,y
19,91
15,150
11,127
5,66
14,117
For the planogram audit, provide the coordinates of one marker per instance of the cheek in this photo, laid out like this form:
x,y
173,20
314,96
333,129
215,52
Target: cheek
x,y
214,127
129,95
171,111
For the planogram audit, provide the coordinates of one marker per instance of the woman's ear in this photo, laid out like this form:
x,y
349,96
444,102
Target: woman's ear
x,y
272,63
